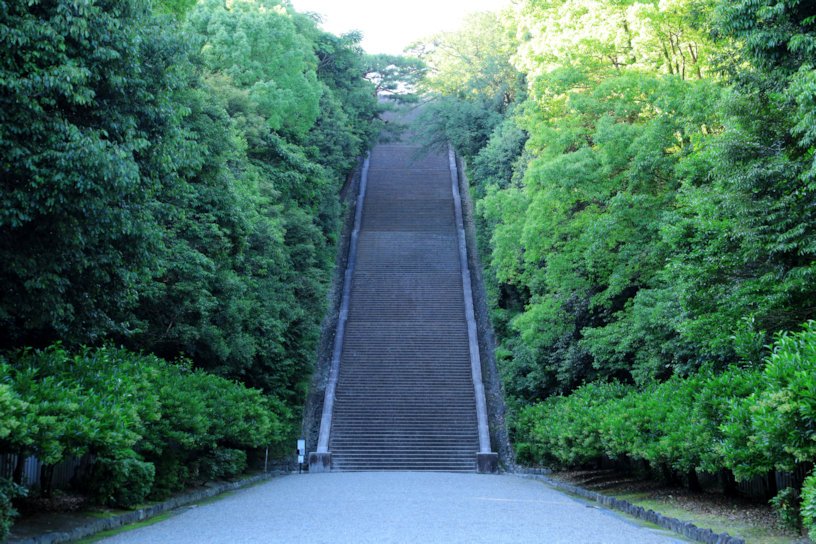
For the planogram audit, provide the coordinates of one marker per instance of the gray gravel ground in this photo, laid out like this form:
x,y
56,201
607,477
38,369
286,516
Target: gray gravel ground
x,y
387,507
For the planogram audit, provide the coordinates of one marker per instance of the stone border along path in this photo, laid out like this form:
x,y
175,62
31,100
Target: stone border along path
x,y
686,529
142,514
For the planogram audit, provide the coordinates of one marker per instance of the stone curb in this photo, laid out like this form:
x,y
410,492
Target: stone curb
x,y
115,522
686,529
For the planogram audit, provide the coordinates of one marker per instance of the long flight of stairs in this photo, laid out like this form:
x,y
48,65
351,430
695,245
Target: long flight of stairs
x,y
405,396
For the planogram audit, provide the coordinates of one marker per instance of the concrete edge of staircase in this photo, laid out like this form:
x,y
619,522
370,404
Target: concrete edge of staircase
x,y
313,407
683,528
320,459
494,391
487,461
141,514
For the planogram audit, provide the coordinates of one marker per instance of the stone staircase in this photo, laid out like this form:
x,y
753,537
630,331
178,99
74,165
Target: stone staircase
x,y
404,395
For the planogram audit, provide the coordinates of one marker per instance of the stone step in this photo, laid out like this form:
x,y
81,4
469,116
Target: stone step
x,y
396,417
422,252
390,157
409,439
416,216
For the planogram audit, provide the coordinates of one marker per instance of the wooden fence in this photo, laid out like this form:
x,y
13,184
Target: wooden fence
x,y
63,472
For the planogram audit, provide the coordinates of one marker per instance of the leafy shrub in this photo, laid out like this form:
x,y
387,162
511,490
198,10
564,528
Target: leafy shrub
x,y
808,506
172,473
747,420
714,407
784,416
201,413
680,419
8,491
786,506
91,401
14,423
772,427
527,453
566,430
681,425
223,463
121,482
149,423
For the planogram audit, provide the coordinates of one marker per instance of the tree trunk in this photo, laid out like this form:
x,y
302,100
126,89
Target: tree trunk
x,y
729,483
46,480
669,475
18,469
694,481
770,485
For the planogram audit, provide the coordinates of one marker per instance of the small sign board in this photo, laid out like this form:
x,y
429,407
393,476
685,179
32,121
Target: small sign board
x,y
301,448
300,459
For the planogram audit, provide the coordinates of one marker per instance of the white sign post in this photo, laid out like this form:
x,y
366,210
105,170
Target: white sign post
x,y
301,453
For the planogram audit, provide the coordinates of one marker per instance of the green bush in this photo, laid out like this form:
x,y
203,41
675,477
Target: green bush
x,y
747,420
714,407
148,422
199,414
808,506
566,430
8,491
172,473
784,417
786,506
91,401
223,463
15,414
679,426
772,428
121,482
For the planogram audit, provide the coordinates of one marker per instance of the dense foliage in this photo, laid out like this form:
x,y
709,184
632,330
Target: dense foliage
x,y
171,182
151,426
172,185
748,421
646,198
643,173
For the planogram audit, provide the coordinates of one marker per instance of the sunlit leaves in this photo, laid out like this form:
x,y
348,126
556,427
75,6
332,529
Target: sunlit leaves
x,y
602,36
473,63
258,46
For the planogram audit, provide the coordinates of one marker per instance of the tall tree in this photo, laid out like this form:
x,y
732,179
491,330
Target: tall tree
x,y
88,133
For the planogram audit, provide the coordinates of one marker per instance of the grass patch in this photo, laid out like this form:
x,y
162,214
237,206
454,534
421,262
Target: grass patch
x,y
105,534
216,498
751,533
102,514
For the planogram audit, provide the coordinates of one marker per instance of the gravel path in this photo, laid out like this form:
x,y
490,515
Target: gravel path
x,y
386,507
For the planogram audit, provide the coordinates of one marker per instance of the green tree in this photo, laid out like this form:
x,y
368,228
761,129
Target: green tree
x,y
473,63
87,125
256,44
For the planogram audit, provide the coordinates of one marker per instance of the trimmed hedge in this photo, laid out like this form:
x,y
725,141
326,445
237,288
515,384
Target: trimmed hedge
x,y
152,426
748,421
808,507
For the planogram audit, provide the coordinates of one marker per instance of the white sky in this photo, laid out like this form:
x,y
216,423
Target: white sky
x,y
388,26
